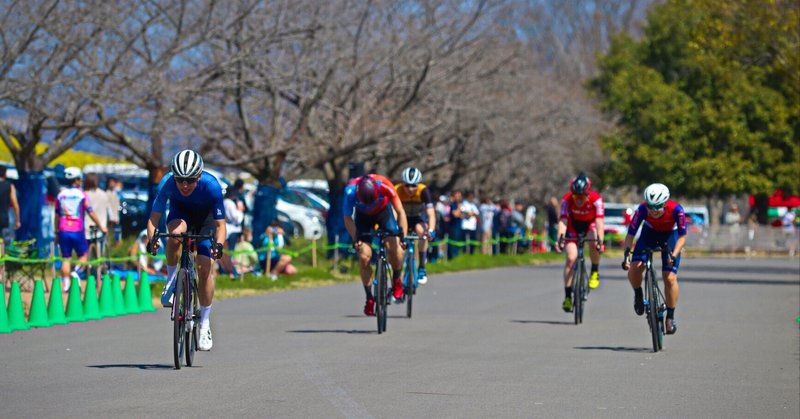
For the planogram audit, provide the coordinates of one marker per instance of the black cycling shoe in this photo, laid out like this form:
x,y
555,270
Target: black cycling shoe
x,y
671,326
638,304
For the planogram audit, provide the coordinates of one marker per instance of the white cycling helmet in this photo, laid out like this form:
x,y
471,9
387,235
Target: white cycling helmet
x,y
412,176
187,164
72,173
656,195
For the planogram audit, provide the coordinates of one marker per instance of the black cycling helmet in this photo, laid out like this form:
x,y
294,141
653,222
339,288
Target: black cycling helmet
x,y
367,189
581,185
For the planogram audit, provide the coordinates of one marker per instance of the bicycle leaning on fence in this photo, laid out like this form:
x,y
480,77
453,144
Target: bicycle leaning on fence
x,y
580,278
655,307
185,313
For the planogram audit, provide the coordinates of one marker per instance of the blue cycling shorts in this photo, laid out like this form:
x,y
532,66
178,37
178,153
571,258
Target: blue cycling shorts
x,y
653,239
72,240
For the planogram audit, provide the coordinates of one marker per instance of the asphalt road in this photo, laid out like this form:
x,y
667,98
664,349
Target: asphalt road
x,y
481,344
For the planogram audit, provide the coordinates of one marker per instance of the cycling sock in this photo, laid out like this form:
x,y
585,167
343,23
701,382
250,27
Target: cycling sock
x,y
171,274
594,268
368,291
670,313
205,313
568,291
637,291
423,259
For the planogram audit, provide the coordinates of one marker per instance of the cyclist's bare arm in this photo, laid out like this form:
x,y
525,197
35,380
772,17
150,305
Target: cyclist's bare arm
x,y
679,246
431,218
350,225
401,214
152,222
221,231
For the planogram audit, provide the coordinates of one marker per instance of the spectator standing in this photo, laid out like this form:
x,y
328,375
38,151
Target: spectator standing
x,y
113,188
518,225
502,227
100,204
234,217
8,199
789,231
733,219
469,222
487,210
553,209
454,231
442,220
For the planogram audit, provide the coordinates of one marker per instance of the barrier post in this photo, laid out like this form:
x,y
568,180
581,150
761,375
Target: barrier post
x,y
314,253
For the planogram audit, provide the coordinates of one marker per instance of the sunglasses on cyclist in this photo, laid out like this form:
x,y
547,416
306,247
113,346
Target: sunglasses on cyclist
x,y
655,207
410,186
186,180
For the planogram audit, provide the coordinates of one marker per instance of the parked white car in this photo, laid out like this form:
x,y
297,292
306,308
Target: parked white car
x,y
307,222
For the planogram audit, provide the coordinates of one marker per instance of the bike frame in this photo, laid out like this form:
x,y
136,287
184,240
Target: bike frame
x,y
580,279
410,278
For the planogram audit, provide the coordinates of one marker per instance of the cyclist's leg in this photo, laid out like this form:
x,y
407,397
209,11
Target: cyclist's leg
x,y
594,256
671,289
570,257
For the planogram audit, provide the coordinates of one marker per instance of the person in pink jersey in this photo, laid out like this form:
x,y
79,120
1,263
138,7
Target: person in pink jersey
x,y
71,206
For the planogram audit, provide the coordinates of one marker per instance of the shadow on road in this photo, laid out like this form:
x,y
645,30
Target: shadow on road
x,y
136,366
541,322
614,348
349,332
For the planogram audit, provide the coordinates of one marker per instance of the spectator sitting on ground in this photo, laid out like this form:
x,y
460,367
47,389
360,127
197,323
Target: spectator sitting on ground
x,y
151,265
278,263
245,258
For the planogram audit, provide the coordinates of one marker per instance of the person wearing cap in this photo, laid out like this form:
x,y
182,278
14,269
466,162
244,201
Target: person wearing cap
x,y
366,204
71,206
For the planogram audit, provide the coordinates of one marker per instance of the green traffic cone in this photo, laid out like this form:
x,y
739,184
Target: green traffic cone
x,y
131,300
16,313
37,316
4,328
145,297
74,306
107,298
55,308
91,309
116,292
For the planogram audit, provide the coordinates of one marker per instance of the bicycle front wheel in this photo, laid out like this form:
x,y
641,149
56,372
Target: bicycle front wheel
x,y
410,282
652,308
178,319
380,296
577,292
192,317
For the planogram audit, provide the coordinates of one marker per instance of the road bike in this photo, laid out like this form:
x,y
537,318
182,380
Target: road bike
x,y
410,277
654,302
380,288
580,279
185,313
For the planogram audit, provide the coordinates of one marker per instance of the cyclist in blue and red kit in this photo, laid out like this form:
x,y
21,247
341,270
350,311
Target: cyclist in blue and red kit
x,y
195,206
366,204
664,223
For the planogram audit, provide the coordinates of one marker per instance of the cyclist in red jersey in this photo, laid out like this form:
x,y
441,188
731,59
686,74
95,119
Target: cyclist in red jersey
x,y
371,200
582,211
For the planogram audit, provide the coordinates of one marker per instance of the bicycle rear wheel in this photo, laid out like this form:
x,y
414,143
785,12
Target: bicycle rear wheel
x,y
380,296
178,319
191,323
577,292
652,308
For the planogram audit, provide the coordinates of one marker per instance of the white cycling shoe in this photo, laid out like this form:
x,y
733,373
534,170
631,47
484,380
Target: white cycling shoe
x,y
204,341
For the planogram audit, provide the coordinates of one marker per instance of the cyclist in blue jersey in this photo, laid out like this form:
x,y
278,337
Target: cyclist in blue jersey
x,y
663,222
195,206
372,200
